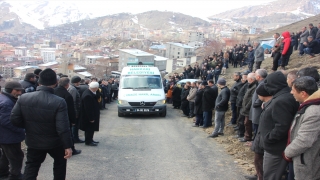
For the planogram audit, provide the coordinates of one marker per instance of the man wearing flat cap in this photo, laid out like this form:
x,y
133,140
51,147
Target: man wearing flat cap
x,y
10,136
90,113
45,119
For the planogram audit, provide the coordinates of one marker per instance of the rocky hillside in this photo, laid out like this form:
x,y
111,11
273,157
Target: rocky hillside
x,y
294,27
276,13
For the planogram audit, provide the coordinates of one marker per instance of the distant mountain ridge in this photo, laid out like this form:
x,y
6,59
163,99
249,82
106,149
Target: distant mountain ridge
x,y
280,12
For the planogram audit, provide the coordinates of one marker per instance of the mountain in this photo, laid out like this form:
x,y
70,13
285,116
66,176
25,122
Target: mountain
x,y
276,13
11,21
156,20
47,13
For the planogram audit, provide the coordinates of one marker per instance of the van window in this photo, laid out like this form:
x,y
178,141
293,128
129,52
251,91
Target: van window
x,y
141,82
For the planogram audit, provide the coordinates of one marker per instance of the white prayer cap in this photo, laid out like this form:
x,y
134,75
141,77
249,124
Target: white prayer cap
x,y
94,85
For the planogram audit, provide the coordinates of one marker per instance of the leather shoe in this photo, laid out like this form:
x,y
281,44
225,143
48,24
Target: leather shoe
x,y
97,142
76,152
251,177
237,137
221,134
92,144
213,136
78,141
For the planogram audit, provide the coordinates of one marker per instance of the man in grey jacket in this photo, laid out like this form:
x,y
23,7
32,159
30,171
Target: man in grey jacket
x,y
304,134
73,90
258,55
303,38
191,98
255,110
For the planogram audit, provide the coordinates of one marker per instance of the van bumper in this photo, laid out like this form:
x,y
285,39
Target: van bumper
x,y
142,109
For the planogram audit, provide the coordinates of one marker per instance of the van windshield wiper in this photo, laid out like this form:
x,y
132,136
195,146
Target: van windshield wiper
x,y
143,87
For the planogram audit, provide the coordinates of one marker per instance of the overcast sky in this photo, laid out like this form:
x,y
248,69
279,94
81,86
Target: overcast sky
x,y
197,8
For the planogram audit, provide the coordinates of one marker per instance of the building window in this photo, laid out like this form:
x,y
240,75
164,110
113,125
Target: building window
x,y
185,54
172,56
178,57
178,52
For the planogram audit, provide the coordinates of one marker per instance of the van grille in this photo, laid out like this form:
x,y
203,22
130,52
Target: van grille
x,y
146,103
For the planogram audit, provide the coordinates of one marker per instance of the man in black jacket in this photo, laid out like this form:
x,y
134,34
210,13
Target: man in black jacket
x,y
275,121
234,90
61,91
29,83
221,108
313,31
209,95
83,85
312,47
45,118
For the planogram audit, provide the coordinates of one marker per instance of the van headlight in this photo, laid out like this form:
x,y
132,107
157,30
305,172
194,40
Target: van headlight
x,y
123,103
161,102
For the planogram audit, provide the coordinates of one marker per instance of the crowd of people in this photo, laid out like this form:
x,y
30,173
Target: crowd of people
x,y
276,114
47,110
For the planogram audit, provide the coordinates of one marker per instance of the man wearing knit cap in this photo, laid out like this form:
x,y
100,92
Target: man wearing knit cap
x,y
221,108
37,72
74,91
275,121
90,113
10,136
264,97
45,119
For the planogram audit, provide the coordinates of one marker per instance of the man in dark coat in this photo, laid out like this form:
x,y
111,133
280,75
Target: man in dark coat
x,y
234,90
45,119
10,136
221,108
184,101
246,106
240,127
61,91
90,113
74,91
83,86
29,83
250,59
275,122
208,103
176,97
198,106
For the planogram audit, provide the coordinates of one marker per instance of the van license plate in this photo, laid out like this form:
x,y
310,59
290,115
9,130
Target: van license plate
x,y
143,110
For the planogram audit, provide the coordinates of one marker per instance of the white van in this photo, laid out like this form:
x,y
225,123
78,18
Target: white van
x,y
141,91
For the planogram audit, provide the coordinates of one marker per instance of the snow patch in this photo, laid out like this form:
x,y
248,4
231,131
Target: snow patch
x,y
170,22
135,20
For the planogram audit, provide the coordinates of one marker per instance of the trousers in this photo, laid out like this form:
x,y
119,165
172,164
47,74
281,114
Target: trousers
x,y
88,136
35,158
12,156
273,166
219,120
248,126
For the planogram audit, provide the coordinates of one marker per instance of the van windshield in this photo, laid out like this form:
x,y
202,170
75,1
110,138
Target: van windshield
x,y
141,82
